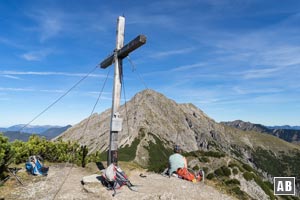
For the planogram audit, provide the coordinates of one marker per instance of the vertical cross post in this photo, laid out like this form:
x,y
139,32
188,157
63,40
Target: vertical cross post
x,y
119,54
113,141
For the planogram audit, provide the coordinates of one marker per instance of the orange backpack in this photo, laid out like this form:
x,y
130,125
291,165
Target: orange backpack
x,y
184,173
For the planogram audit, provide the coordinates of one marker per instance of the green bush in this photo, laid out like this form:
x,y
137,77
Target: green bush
x,y
196,168
235,171
94,157
158,155
270,185
128,153
210,176
239,193
204,159
269,162
264,187
226,171
58,151
191,154
232,182
248,176
215,154
5,154
219,172
223,171
233,165
248,168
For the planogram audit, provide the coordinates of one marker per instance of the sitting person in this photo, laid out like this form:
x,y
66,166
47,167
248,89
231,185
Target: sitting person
x,y
176,161
178,165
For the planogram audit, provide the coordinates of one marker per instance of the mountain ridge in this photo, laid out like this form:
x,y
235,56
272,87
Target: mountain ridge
x,y
289,135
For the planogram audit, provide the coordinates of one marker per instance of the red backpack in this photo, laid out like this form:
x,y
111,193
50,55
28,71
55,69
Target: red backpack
x,y
184,173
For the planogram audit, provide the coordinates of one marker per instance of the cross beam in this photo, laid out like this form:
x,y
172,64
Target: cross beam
x,y
119,54
122,53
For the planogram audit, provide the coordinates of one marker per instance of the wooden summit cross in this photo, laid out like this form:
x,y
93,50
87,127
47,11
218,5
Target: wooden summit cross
x,y
119,54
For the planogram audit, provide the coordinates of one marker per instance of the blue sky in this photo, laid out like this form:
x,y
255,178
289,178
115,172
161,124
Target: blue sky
x,y
232,59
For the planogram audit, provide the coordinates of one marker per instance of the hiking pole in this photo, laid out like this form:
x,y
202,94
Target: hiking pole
x,y
5,179
13,171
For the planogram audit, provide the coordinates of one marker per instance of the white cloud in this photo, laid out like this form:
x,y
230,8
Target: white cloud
x,y
48,73
52,91
8,89
11,77
283,55
50,27
171,52
36,55
16,89
188,67
248,90
259,73
31,56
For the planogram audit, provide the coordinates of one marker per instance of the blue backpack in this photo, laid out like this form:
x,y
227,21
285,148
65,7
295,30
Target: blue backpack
x,y
35,166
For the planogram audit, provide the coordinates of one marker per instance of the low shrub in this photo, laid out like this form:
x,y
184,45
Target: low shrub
x,y
248,168
248,176
239,193
226,170
219,172
215,154
264,187
204,159
223,171
235,171
232,182
233,165
210,176
5,154
158,155
196,168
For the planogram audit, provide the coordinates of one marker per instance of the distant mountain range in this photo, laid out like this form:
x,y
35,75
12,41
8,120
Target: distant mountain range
x,y
54,131
48,131
29,129
287,133
16,135
285,127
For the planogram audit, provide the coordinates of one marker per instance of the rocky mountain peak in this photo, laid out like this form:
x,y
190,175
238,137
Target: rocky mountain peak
x,y
152,112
